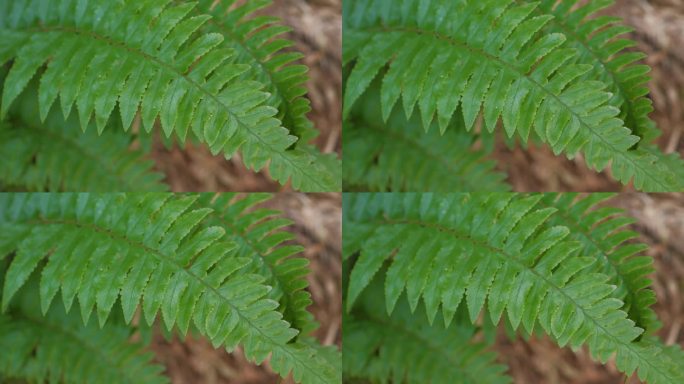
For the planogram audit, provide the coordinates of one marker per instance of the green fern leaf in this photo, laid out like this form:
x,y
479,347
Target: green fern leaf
x,y
55,155
600,232
494,252
257,234
597,42
489,56
151,251
400,156
405,348
144,55
268,62
57,348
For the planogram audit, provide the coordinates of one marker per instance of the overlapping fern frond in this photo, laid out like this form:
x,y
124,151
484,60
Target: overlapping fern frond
x,y
600,231
257,42
398,155
597,43
155,252
258,235
55,155
56,347
404,348
495,58
501,253
153,57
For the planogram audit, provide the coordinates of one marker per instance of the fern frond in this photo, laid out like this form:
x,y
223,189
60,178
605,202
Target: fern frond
x,y
147,55
257,234
489,56
398,155
598,43
494,251
58,348
150,250
405,348
257,41
55,155
601,233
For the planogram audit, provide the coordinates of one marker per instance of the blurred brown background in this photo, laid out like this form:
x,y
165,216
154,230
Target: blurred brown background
x,y
317,33
318,220
660,221
659,31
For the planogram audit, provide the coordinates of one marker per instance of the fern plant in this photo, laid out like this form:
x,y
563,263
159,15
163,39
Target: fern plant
x,y
549,71
209,264
55,154
562,265
209,72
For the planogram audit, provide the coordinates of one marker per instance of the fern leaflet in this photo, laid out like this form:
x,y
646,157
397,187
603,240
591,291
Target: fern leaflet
x,y
269,63
600,232
257,234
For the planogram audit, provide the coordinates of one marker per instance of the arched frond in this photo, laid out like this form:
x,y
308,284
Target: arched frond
x,y
150,251
489,57
495,252
147,55
398,155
